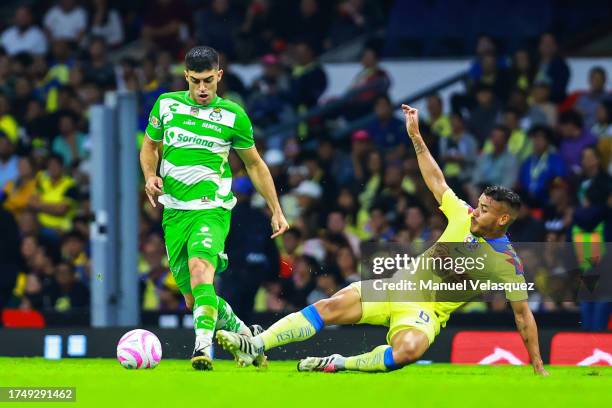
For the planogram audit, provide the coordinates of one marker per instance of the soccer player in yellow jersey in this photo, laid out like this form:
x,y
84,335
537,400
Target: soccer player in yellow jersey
x,y
412,325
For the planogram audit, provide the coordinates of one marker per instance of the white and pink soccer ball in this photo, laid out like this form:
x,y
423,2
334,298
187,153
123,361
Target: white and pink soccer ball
x,y
139,349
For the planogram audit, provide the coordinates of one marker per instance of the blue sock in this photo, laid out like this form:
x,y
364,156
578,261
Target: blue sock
x,y
389,362
312,315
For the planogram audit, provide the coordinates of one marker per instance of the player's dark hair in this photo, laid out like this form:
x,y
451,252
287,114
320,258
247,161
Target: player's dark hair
x,y
504,195
201,59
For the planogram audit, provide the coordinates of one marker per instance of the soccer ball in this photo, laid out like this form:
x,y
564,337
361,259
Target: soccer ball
x,y
139,349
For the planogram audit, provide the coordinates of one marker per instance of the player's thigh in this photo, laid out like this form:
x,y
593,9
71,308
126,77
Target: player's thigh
x,y
176,247
344,307
413,315
206,237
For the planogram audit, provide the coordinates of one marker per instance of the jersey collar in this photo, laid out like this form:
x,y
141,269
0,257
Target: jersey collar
x,y
212,102
499,244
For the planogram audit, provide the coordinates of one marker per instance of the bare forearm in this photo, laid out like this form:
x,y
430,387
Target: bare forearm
x,y
528,329
432,174
264,184
149,158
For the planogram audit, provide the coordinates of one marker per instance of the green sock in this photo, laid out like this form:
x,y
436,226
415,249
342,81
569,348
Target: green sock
x,y
228,320
204,311
371,361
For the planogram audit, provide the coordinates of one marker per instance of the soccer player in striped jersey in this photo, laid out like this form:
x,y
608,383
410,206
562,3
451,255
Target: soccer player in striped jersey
x,y
413,325
195,130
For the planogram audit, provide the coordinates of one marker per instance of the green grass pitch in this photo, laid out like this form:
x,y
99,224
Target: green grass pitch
x,y
104,383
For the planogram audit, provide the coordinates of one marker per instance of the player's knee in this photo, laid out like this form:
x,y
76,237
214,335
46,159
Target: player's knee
x,y
407,352
200,271
189,302
328,309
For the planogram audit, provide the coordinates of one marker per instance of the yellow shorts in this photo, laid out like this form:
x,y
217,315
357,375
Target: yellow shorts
x,y
398,316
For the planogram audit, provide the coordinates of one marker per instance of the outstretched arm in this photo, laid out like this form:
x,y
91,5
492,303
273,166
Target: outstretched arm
x,y
432,174
263,182
526,325
149,159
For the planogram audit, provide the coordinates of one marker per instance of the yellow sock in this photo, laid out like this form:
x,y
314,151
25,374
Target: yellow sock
x,y
295,327
380,359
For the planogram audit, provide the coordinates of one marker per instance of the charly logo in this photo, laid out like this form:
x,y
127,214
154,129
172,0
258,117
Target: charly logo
x,y
169,137
215,114
471,243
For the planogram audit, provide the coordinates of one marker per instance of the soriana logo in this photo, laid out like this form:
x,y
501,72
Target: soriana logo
x,y
582,349
473,347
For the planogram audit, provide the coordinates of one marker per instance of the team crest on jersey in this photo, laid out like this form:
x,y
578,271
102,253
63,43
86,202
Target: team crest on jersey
x,y
471,243
194,111
216,114
154,122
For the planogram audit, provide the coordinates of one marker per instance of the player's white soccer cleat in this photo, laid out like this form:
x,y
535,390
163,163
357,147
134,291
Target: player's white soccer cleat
x,y
327,364
241,347
201,358
261,361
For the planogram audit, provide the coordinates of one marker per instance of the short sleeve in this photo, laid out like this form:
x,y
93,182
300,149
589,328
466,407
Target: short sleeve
x,y
155,129
243,132
453,206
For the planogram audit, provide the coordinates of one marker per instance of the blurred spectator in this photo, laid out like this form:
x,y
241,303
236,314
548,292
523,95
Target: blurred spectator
x,y
541,167
559,213
522,70
438,121
602,128
9,162
106,23
415,222
257,32
542,111
371,180
496,168
232,81
588,102
55,198
308,24
552,68
526,228
70,144
353,19
97,69
348,265
326,286
484,117
378,227
387,131
336,224
303,281
253,261
458,153
308,194
518,144
24,35
267,105
67,20
67,293
73,251
369,84
9,255
308,80
593,191
574,139
494,76
217,26
8,124
290,250
165,25
17,193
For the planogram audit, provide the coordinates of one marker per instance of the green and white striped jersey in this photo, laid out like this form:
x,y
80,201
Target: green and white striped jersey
x,y
196,144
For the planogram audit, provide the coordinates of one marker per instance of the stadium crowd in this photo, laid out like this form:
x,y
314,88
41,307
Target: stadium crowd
x,y
516,125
